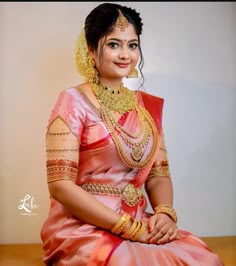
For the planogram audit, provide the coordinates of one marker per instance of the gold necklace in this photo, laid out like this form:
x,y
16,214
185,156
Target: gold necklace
x,y
132,151
124,131
119,100
131,146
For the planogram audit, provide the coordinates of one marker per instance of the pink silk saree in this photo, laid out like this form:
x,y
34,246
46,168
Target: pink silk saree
x,y
71,242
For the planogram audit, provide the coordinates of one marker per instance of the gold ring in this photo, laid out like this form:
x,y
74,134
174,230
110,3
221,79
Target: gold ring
x,y
171,231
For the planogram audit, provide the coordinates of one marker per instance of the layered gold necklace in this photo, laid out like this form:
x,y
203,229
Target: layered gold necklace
x,y
131,141
118,100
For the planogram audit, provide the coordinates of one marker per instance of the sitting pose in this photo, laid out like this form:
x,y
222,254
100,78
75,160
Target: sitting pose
x,y
105,144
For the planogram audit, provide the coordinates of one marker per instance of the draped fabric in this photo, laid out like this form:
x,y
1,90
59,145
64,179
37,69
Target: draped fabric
x,y
79,148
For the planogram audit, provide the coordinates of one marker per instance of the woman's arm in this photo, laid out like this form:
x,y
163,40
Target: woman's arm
x,y
83,205
158,184
159,188
159,191
62,169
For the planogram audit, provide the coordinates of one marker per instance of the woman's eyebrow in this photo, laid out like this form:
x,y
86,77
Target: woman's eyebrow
x,y
119,40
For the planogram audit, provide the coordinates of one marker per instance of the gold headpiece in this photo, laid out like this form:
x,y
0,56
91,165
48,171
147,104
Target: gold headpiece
x,y
84,63
122,21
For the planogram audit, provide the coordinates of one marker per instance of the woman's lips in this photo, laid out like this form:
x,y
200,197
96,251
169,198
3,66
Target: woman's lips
x,y
122,65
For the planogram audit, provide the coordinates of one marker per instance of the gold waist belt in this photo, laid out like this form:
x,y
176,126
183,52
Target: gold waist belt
x,y
130,195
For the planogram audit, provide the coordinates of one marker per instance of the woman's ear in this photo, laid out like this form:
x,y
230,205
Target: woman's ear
x,y
91,52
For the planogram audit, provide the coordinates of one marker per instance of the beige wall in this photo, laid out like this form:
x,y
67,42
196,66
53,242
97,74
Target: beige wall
x,y
189,51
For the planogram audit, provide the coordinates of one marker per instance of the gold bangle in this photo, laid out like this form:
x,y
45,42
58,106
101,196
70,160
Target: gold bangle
x,y
130,230
167,209
120,223
136,230
119,230
140,232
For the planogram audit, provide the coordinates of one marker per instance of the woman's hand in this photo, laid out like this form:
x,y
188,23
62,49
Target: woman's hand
x,y
162,229
144,237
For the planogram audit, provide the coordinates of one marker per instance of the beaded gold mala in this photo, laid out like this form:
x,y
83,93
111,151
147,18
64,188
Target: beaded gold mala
x,y
131,146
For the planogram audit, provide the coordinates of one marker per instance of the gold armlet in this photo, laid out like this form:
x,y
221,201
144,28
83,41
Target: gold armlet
x,y
121,223
61,169
167,209
159,169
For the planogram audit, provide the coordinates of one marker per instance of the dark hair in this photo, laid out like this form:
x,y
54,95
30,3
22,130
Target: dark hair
x,y
101,21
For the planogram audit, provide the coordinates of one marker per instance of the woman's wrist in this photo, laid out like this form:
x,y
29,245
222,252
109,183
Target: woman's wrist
x,y
121,224
166,209
128,228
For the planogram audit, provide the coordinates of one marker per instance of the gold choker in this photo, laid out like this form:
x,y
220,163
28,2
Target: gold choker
x,y
119,100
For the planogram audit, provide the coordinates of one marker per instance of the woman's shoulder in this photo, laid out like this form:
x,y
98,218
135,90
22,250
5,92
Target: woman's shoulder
x,y
81,93
74,91
70,100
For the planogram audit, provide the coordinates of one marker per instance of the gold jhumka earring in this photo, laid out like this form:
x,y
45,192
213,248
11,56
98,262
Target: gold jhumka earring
x,y
133,73
122,21
92,74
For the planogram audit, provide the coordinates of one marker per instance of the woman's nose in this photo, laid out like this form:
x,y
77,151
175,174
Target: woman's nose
x,y
124,54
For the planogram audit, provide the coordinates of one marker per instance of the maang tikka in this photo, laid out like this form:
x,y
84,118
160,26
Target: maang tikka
x,y
122,21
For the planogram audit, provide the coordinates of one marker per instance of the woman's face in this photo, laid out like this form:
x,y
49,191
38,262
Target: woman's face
x,y
117,53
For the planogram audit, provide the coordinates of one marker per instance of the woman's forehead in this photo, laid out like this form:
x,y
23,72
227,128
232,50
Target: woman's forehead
x,y
127,34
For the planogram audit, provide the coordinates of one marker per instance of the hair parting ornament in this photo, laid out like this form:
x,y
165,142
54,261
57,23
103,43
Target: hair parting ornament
x,y
121,21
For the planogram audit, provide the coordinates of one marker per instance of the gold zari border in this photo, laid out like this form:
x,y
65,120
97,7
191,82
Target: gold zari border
x,y
61,169
159,169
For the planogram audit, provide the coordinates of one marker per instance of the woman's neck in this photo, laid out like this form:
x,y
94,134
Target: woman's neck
x,y
111,83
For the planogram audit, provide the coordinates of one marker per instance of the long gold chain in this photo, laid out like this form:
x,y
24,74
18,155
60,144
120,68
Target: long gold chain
x,y
131,146
124,131
132,152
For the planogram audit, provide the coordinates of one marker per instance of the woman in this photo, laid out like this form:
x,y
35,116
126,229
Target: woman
x,y
104,143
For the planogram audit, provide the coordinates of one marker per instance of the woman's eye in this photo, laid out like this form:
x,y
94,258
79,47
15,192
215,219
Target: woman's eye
x,y
113,45
133,46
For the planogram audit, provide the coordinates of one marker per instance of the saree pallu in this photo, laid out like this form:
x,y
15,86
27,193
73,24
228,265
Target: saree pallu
x,y
68,241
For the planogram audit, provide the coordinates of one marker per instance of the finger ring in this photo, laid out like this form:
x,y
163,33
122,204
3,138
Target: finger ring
x,y
171,231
